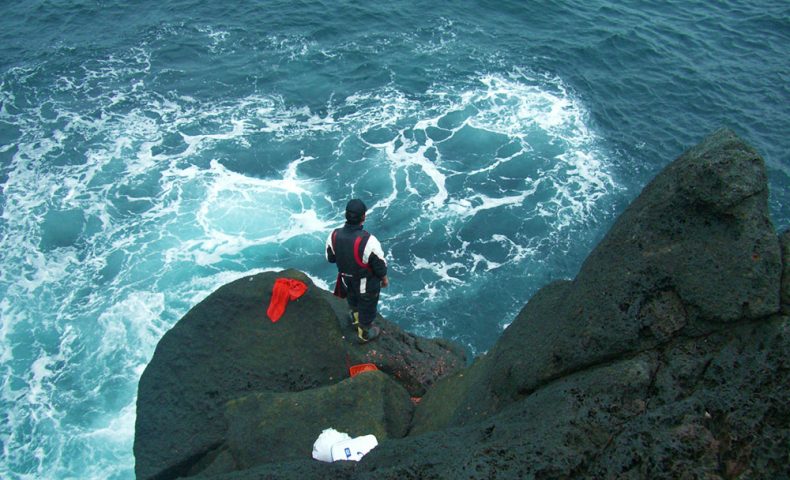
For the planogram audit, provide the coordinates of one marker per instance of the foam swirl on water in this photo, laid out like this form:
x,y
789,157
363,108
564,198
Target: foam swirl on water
x,y
125,207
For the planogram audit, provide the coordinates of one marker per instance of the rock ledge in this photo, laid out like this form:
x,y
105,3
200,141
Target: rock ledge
x,y
666,357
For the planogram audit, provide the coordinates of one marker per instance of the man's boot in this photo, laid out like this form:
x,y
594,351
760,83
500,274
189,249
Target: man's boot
x,y
367,333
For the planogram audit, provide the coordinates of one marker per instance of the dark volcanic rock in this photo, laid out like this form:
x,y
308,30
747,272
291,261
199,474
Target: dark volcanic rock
x,y
719,407
666,357
226,348
699,408
694,251
786,272
710,407
283,426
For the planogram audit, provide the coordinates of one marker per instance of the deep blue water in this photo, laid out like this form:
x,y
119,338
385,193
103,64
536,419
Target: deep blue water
x,y
151,151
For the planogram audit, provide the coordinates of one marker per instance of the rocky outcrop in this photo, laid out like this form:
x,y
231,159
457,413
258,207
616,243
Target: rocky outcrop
x,y
225,349
786,272
712,407
371,403
632,356
695,251
666,357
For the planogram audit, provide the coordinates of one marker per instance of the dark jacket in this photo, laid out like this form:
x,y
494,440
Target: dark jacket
x,y
364,264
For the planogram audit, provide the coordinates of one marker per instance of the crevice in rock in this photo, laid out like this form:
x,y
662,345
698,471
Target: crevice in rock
x,y
651,387
658,348
582,470
186,466
784,281
734,453
704,371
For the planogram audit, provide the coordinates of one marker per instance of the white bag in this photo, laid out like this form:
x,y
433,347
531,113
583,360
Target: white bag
x,y
354,449
322,448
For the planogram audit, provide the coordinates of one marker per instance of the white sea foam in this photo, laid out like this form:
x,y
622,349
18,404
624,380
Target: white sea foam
x,y
518,251
489,265
7,322
196,142
529,115
218,38
443,37
168,219
131,323
441,269
240,212
470,206
512,106
138,253
409,154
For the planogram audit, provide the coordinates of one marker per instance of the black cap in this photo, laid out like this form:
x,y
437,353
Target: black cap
x,y
355,209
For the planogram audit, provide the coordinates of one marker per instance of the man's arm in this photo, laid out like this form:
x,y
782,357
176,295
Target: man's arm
x,y
374,257
330,252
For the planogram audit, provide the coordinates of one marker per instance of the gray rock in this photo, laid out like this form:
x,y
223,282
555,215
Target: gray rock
x,y
225,348
708,407
719,409
549,434
666,357
695,251
266,427
785,241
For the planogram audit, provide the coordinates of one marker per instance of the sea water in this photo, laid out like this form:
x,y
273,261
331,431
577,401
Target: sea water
x,y
152,151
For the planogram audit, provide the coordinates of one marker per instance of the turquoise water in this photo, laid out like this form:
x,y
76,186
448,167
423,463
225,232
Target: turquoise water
x,y
152,151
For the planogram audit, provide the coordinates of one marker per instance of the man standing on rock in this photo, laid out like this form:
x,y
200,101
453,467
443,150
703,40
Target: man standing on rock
x,y
362,270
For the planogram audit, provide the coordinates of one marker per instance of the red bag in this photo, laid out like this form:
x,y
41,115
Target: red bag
x,y
285,290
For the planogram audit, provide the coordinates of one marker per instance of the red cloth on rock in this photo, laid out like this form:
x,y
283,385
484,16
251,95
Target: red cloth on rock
x,y
285,290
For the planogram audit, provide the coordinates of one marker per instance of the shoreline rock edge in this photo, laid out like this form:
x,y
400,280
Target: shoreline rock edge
x,y
666,356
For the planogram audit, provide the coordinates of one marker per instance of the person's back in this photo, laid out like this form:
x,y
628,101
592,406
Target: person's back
x,y
362,269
